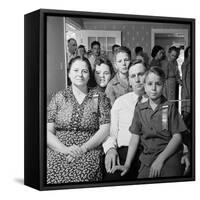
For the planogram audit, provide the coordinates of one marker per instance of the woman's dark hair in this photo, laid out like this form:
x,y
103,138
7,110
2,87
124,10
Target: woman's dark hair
x,y
124,49
186,52
173,48
91,79
102,60
155,50
156,70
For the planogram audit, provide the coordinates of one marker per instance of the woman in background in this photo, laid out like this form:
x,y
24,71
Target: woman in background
x,y
78,122
185,92
157,54
103,73
170,68
82,51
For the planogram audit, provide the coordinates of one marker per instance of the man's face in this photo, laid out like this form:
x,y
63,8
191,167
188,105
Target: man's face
x,y
72,46
96,50
136,78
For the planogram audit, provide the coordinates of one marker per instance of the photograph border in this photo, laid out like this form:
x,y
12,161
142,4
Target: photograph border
x,y
35,84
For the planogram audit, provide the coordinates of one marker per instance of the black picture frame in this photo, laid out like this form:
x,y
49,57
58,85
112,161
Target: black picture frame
x,y
35,84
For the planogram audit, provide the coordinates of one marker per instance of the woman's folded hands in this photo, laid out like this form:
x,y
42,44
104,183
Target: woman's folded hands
x,y
74,152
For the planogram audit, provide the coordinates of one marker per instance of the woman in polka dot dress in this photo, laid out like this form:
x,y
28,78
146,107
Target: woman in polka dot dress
x,y
78,122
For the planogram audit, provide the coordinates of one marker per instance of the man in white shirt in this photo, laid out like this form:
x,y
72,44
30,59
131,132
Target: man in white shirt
x,y
116,146
72,49
96,51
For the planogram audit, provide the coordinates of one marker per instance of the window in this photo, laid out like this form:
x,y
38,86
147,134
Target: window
x,y
106,38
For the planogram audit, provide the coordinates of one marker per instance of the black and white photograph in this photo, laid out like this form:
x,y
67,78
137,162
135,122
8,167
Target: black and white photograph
x,y
118,101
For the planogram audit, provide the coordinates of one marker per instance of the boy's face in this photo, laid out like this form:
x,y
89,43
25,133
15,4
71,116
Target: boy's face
x,y
122,62
153,86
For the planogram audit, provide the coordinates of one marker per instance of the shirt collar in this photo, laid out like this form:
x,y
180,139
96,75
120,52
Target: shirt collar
x,y
146,104
69,93
117,80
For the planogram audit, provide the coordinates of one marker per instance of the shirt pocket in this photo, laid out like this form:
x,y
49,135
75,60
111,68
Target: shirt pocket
x,y
165,134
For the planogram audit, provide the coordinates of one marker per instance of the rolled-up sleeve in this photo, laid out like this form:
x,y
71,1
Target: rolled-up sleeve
x,y
110,93
111,141
136,125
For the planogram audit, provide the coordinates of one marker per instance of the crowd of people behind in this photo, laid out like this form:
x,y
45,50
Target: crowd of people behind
x,y
118,119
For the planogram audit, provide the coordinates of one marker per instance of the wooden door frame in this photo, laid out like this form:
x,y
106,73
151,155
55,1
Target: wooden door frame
x,y
185,32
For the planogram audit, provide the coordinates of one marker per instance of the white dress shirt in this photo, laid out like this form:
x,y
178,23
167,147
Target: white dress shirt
x,y
121,118
92,59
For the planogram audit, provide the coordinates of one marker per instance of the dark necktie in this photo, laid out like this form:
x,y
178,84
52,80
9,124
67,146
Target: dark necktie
x,y
139,99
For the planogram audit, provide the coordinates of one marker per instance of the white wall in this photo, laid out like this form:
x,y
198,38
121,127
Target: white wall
x,y
11,101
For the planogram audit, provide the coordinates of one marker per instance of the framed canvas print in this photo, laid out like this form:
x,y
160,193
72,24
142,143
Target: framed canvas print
x,y
109,99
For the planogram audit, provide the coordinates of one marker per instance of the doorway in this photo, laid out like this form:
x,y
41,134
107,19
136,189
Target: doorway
x,y
171,37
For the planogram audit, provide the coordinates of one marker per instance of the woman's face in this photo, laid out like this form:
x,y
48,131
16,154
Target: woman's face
x,y
173,55
160,54
122,62
81,51
153,86
79,73
102,74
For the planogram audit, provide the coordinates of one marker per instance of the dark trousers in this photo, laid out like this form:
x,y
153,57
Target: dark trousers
x,y
133,172
172,168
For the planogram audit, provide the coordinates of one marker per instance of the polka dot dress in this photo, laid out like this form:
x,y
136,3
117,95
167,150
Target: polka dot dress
x,y
75,124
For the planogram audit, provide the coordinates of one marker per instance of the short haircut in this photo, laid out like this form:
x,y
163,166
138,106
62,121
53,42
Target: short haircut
x,y
124,49
68,41
138,49
136,61
90,81
102,60
95,43
173,48
81,46
114,46
156,70
155,50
